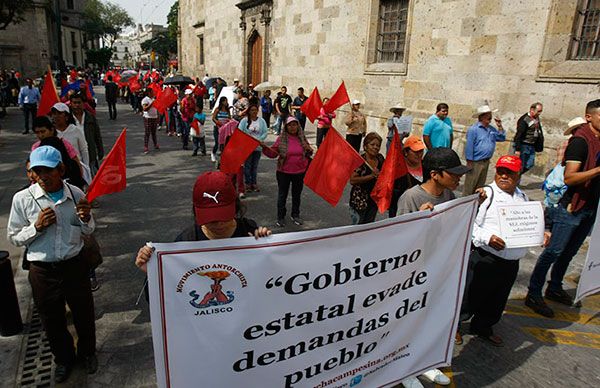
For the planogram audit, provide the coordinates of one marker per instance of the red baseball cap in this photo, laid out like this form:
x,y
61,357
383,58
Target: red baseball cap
x,y
513,163
214,198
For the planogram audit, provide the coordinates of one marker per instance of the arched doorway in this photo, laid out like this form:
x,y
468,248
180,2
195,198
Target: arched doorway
x,y
255,58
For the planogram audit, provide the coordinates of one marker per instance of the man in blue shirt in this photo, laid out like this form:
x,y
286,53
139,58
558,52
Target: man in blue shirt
x,y
437,131
480,147
28,100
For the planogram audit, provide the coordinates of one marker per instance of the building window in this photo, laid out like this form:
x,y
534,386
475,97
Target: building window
x,y
201,56
391,30
585,45
70,4
126,49
73,40
75,58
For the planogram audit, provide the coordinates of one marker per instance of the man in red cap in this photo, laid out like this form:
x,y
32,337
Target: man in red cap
x,y
492,266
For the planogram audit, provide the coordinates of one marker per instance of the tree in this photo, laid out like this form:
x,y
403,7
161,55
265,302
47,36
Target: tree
x,y
161,44
173,20
100,57
105,20
11,11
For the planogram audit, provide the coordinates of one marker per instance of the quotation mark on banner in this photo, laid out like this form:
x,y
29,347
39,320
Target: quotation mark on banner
x,y
274,282
385,334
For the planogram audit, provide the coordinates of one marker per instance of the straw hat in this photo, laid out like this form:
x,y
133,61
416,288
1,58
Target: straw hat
x,y
576,122
397,107
484,109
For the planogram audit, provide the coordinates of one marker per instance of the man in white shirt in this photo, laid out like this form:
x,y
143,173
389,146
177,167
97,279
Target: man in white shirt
x,y
150,119
493,268
49,218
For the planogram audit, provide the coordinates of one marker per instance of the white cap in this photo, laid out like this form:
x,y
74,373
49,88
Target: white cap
x,y
61,107
355,102
188,91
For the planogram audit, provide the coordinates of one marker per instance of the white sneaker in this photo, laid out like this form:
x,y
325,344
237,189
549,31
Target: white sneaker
x,y
212,157
412,382
436,376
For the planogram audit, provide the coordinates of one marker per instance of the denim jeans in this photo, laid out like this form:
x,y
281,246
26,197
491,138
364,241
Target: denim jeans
x,y
527,157
216,137
569,231
251,168
185,133
199,145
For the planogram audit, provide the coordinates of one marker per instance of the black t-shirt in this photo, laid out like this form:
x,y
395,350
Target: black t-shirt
x,y
577,151
194,232
284,102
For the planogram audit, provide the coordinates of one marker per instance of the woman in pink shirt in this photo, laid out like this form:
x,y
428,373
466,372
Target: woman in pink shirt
x,y
323,123
293,153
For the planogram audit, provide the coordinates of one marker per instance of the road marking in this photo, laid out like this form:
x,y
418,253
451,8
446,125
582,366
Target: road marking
x,y
448,372
564,337
574,317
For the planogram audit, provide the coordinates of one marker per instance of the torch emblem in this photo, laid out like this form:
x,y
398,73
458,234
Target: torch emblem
x,y
216,296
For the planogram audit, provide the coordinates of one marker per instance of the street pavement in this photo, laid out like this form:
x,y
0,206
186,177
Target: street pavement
x,y
156,206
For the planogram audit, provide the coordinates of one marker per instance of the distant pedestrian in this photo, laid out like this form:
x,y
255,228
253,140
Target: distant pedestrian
x,y
257,128
28,98
266,105
393,123
188,109
324,121
87,123
480,147
150,120
198,132
111,91
220,116
438,130
529,138
283,104
297,104
357,126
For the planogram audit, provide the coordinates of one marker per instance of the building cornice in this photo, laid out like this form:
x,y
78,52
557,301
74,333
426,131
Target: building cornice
x,y
244,5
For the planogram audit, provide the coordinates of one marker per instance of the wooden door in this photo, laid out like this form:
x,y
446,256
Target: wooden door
x,y
256,60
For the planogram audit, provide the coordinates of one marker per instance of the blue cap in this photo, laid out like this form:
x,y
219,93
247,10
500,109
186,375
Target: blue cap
x,y
45,156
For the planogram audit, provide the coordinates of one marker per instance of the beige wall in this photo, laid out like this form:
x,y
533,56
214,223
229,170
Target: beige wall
x,y
464,52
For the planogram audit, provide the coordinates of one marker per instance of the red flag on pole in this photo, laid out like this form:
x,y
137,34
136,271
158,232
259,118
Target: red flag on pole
x,y
339,98
332,167
312,106
49,95
134,84
237,150
156,88
165,100
112,175
393,168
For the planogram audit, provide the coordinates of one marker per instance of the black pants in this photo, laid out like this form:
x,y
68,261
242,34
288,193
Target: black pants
x,y
489,281
393,210
267,118
112,110
321,133
354,141
52,286
29,110
284,181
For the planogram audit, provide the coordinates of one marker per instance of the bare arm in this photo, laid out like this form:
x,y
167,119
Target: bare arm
x,y
427,141
573,177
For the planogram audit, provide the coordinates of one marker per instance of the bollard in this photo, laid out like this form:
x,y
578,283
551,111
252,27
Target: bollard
x,y
10,315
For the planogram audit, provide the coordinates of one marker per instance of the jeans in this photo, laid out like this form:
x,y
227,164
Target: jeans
x,y
199,144
527,157
284,180
569,231
29,110
216,136
251,168
321,133
302,120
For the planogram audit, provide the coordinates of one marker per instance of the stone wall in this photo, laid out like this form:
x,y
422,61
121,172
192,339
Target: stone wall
x,y
463,52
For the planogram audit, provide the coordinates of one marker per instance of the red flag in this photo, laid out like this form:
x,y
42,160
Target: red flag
x,y
165,100
112,175
49,95
393,168
237,150
196,125
134,84
312,106
332,167
339,98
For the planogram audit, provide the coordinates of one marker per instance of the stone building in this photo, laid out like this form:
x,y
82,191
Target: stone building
x,y
509,53
127,48
31,45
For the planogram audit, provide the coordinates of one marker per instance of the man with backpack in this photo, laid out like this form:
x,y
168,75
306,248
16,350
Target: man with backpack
x,y
573,218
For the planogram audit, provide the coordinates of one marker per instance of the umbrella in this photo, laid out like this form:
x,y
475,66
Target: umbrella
x,y
178,79
127,74
267,85
209,82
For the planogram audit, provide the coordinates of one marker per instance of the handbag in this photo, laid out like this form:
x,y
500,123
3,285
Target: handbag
x,y
91,251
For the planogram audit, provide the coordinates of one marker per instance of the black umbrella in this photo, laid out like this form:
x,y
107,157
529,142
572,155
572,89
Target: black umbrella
x,y
178,79
213,80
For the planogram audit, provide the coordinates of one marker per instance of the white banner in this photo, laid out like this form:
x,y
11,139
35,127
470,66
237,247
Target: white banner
x,y
589,282
368,304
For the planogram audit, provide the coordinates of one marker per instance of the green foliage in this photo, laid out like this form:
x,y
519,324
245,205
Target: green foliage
x,y
163,45
11,11
105,20
173,20
100,57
